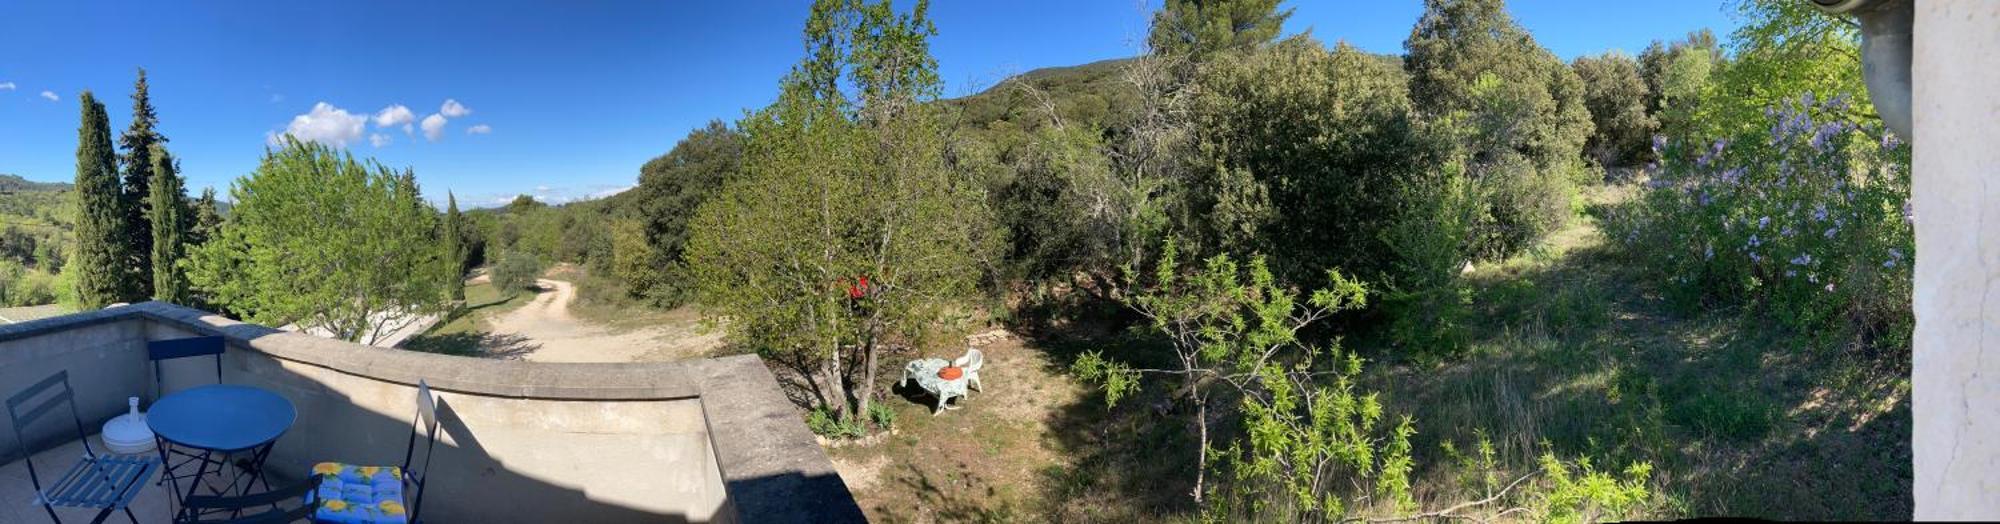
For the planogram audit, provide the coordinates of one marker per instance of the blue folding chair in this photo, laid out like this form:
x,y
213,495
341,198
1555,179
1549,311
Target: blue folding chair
x,y
158,351
161,350
105,483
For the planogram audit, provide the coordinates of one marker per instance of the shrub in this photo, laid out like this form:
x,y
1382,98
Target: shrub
x,y
883,417
1809,221
515,271
826,424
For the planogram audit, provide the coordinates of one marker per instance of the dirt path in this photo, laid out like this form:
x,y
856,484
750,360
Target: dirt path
x,y
558,336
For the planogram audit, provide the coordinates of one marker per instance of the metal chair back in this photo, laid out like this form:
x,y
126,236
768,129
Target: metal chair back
x,y
161,350
425,422
25,409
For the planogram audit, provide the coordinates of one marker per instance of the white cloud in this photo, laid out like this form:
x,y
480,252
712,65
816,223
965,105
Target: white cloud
x,y
454,109
325,124
434,127
480,129
379,140
612,191
6,86
395,115
51,95
543,189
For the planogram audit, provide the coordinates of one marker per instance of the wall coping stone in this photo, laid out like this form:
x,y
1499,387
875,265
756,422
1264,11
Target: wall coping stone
x,y
772,468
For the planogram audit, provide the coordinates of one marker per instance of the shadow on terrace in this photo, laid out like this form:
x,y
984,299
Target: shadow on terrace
x,y
710,440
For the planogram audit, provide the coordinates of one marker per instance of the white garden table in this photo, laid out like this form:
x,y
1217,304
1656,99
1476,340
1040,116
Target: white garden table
x,y
926,372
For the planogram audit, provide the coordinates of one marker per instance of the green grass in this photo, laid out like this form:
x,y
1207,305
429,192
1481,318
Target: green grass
x,y
1570,350
463,332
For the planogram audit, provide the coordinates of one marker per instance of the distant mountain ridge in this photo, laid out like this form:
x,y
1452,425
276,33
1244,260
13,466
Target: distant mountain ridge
x,y
16,184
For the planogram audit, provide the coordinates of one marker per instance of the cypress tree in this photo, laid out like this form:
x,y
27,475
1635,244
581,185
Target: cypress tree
x,y
169,219
101,257
454,248
138,142
207,218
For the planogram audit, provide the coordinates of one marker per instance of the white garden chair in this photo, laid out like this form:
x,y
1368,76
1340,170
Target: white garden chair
x,y
971,362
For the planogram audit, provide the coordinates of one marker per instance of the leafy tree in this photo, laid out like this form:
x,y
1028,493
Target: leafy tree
x,y
1682,77
138,142
207,218
330,243
454,248
1516,112
671,187
515,271
1305,149
102,252
1616,95
1234,331
836,190
169,221
1782,50
1199,28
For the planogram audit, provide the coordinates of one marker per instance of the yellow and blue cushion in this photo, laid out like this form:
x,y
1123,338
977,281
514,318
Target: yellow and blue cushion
x,y
350,494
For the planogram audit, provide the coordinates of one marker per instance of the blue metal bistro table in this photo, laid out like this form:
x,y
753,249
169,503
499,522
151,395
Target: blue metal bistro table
x,y
226,420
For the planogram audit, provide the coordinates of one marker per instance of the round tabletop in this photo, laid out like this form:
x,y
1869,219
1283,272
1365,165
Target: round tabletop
x,y
221,417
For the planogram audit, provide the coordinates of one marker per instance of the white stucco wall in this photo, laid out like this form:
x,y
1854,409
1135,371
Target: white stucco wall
x,y
1956,437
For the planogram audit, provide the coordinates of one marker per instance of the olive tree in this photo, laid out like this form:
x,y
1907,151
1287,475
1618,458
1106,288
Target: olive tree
x,y
330,243
847,235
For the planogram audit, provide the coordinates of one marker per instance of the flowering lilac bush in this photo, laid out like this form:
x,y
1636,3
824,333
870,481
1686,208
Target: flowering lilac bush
x,y
1809,222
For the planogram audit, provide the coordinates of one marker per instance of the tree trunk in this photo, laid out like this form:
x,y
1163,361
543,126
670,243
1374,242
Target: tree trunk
x,y
1201,463
867,389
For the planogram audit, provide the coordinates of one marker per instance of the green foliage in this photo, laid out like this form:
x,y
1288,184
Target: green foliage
x,y
1426,302
1781,49
22,286
139,143
649,259
1513,110
169,220
1200,28
322,240
453,236
515,271
1302,153
832,425
1808,219
882,416
1581,493
1234,330
1616,95
836,190
1065,208
1681,79
100,263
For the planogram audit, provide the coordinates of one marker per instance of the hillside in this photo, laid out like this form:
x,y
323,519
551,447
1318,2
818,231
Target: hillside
x,y
17,184
1093,94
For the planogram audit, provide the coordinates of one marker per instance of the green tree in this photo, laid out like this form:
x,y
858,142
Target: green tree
x,y
671,187
835,190
1234,331
327,242
515,271
1781,50
207,218
169,221
138,142
1616,95
1516,112
99,262
1200,28
454,248
1304,150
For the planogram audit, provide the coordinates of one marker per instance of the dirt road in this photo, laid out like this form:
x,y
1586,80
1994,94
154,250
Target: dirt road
x,y
546,323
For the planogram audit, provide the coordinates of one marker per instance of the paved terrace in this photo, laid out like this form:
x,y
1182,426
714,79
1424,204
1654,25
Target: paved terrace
x,y
709,440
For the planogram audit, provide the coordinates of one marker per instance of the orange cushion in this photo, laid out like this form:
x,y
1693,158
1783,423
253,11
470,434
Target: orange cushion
x,y
951,373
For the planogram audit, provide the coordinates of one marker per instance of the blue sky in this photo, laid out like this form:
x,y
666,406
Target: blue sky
x,y
563,100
